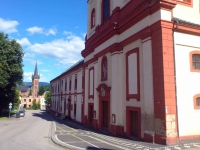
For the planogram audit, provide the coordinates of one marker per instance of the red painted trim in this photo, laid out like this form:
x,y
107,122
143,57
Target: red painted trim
x,y
129,96
189,137
104,58
128,120
89,94
185,2
191,61
128,16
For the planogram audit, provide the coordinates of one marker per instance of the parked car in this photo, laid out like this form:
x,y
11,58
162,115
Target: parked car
x,y
22,113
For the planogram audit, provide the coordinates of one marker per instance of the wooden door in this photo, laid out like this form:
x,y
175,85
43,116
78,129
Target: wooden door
x,y
91,115
105,115
134,123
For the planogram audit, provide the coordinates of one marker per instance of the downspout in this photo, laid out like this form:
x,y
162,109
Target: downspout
x,y
175,27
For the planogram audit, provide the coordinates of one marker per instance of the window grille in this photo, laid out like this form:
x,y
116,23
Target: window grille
x,y
198,101
196,61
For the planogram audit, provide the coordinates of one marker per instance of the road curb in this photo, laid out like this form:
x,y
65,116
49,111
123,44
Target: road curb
x,y
55,141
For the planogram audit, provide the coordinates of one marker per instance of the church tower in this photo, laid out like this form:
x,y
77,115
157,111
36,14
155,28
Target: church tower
x,y
35,82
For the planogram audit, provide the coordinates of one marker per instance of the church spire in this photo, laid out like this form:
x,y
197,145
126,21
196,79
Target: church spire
x,y
36,75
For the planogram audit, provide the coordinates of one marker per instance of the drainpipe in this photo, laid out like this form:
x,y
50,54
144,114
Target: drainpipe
x,y
175,27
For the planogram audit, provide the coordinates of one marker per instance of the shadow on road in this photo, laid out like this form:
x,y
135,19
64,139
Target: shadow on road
x,y
48,117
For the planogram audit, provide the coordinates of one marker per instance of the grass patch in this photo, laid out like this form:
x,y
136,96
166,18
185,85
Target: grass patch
x,y
3,118
5,115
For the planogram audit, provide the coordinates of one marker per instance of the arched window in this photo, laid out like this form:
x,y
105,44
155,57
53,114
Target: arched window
x,y
106,9
93,18
104,69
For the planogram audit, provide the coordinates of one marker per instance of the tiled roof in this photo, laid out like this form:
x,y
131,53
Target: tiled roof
x,y
184,22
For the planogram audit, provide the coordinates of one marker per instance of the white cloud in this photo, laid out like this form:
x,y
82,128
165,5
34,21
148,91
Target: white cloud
x,y
66,51
51,31
43,70
23,42
28,77
8,26
40,30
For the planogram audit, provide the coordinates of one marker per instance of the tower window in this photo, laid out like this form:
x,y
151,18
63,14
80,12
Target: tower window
x,y
106,9
93,18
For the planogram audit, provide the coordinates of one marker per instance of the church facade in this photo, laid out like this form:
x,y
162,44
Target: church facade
x,y
30,94
141,69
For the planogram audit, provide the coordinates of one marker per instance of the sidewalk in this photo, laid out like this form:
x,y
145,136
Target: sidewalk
x,y
76,136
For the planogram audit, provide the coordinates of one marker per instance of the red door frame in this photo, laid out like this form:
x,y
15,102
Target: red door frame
x,y
102,98
128,120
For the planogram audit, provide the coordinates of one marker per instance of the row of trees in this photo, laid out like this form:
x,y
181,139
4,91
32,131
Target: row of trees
x,y
11,73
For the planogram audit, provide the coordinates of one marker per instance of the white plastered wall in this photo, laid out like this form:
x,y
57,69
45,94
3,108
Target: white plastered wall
x,y
188,84
78,107
187,13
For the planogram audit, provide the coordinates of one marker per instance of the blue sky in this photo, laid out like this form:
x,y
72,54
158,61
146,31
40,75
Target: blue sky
x,y
49,31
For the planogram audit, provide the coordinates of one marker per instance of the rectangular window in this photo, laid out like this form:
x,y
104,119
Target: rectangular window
x,y
24,100
196,61
29,100
132,74
198,101
74,110
75,83
70,85
66,85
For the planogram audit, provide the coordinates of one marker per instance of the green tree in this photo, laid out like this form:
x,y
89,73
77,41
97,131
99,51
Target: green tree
x,y
11,73
16,99
35,105
48,97
41,90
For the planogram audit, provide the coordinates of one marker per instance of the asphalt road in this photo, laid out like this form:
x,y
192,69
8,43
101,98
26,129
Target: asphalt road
x,y
32,132
71,134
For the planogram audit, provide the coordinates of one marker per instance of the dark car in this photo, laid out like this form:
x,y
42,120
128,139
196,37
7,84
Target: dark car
x,y
22,113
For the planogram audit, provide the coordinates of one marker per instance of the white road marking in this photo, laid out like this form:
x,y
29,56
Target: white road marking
x,y
118,141
86,141
108,143
67,127
69,144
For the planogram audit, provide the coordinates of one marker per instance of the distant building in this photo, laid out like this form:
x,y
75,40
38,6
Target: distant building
x,y
30,93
